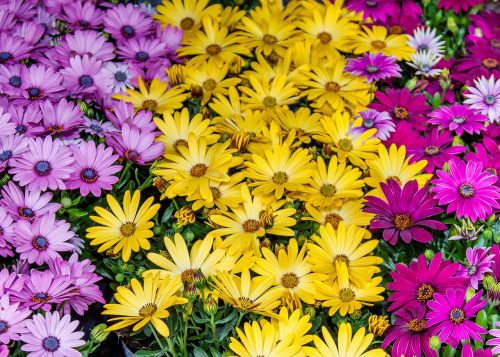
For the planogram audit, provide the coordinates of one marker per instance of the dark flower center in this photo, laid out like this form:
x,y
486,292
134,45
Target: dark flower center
x,y
209,84
148,310
40,243
379,45
324,37
459,119
332,87
26,212
213,50
128,31
495,43
431,150
128,229
402,221
368,123
120,76
178,143
395,30
4,156
187,23
269,101
371,3
21,129
280,178
334,219
269,39
5,56
198,170
187,276
251,225
401,113
423,48
3,326
245,302
490,63
466,190
472,270
86,81
341,258
328,190
149,104
142,56
132,155
491,170
88,175
416,325
490,100
34,93
289,280
50,344
83,24
425,292
15,81
96,128
41,298
457,315
371,69
43,168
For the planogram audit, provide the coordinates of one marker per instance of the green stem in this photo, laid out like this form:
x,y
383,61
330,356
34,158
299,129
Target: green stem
x,y
214,330
175,204
242,313
171,347
125,169
157,338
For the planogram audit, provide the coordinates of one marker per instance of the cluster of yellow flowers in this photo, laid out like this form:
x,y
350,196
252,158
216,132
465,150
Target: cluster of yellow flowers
x,y
271,132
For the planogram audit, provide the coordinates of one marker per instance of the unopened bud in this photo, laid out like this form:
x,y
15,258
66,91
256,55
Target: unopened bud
x,y
199,279
191,292
378,325
196,91
356,314
210,306
488,281
266,243
66,202
493,295
309,310
99,333
429,254
435,343
470,294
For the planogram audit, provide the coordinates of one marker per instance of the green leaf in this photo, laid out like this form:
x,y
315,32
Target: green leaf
x,y
147,353
215,353
199,319
199,352
230,317
167,214
482,319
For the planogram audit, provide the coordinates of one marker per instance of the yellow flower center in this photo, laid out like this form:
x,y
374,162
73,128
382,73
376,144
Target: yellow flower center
x,y
416,325
347,295
341,258
425,292
324,37
269,101
280,178
148,310
198,170
491,171
328,190
402,221
269,39
466,190
187,276
401,113
332,87
490,63
379,45
395,30
55,129
41,298
128,229
213,50
209,84
345,144
187,23
245,302
457,315
178,143
251,225
149,104
289,280
334,219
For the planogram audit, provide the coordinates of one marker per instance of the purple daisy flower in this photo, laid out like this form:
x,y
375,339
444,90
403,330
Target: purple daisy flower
x,y
374,9
95,127
489,35
147,73
83,15
11,79
40,83
479,263
12,320
43,239
435,149
11,147
373,119
13,49
124,113
125,22
467,189
404,134
31,33
62,119
171,37
405,212
458,5
84,287
7,21
374,67
26,205
403,106
82,43
120,73
93,168
495,342
458,118
450,316
408,334
141,50
8,128
414,285
10,282
6,233
52,336
45,165
481,61
405,21
27,119
426,40
485,97
135,145
488,154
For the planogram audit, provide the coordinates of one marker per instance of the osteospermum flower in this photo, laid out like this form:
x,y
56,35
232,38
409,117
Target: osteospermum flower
x,y
374,67
371,118
6,233
479,262
40,82
45,166
424,62
458,118
83,15
351,212
488,154
11,147
93,168
458,5
377,10
467,190
121,76
63,118
126,21
414,285
484,96
12,320
404,212
8,127
54,336
450,316
426,40
84,43
145,303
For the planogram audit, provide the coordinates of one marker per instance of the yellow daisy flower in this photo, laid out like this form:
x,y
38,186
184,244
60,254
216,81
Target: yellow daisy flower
x,y
348,346
177,128
226,106
292,323
143,304
290,270
125,229
351,213
186,264
393,164
347,245
248,294
376,40
224,194
302,121
332,185
346,297
230,16
158,98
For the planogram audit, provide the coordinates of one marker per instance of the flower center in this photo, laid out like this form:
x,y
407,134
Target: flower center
x,y
431,150
251,225
425,292
83,23
26,212
40,298
495,43
490,63
368,123
395,30
86,81
120,76
332,87
215,192
466,190
187,276
324,37
40,243
209,84
289,280
491,171
490,100
245,302
458,119
149,104
280,178
371,3
50,344
128,229
379,45
269,101
88,175
132,155
341,258
472,270
5,56
15,81
402,221
269,39
401,113
34,93
6,155
416,325
328,190
213,50
3,326
371,69
345,144
21,129
198,170
148,310
55,129
334,219
178,143
457,315
127,31
142,56
347,295
187,23
42,168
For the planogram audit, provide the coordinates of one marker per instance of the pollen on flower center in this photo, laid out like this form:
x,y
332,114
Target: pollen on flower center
x,y
43,168
55,129
209,84
334,219
132,155
324,37
401,113
345,144
332,87
26,212
269,101
251,225
472,270
187,276
88,175
431,150
198,170
269,39
149,104
128,229
214,49
379,45
491,171
341,258
328,190
490,63
245,302
347,295
416,325
187,23
395,30
458,119
215,192
289,280
425,292
40,298
148,310
280,178
490,100
34,93
40,243
402,221
466,190
457,315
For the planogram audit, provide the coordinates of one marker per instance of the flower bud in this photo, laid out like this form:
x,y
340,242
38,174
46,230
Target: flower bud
x,y
157,230
196,91
411,83
356,314
191,292
266,243
210,306
452,25
429,254
493,295
378,325
309,310
488,233
189,235
66,202
488,281
199,279
99,333
470,294
435,343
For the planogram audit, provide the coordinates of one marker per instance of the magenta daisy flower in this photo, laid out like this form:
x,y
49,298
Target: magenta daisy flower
x,y
436,149
414,285
374,9
93,168
40,83
488,35
44,166
120,73
458,118
26,205
13,48
12,320
11,79
373,119
155,69
457,5
6,233
404,134
408,335
82,43
467,189
141,50
488,154
27,119
495,342
481,61
405,212
450,316
43,239
52,336
63,118
83,15
467,351
124,22
484,96
374,67
478,264
124,113
11,147
403,106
